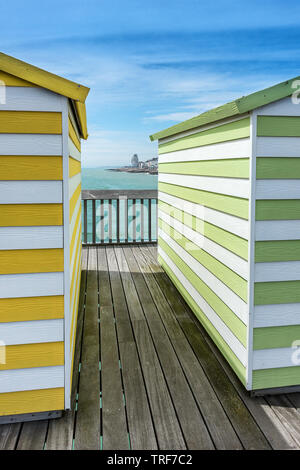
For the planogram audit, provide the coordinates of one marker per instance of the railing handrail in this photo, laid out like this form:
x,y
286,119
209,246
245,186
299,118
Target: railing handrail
x,y
106,194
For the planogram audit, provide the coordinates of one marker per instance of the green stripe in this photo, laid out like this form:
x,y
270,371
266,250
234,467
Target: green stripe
x,y
235,363
278,126
222,272
230,319
229,204
283,250
229,168
277,168
226,239
275,337
284,292
231,131
281,209
278,377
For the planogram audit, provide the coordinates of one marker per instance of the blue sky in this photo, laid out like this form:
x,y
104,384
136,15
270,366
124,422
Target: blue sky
x,y
151,64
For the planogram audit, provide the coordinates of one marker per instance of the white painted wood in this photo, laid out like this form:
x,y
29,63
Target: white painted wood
x,y
74,216
74,182
30,192
216,321
31,99
205,127
278,189
30,332
31,285
251,249
277,230
277,271
227,222
278,147
274,358
31,144
74,253
35,378
233,187
67,275
276,315
232,149
25,238
284,107
233,301
234,262
73,152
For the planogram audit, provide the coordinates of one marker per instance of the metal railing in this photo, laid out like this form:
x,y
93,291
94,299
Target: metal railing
x,y
119,216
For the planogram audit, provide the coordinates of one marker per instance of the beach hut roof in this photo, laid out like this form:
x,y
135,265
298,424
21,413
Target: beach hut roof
x,y
76,92
234,108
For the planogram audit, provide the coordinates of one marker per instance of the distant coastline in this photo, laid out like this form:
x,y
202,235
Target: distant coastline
x,y
130,169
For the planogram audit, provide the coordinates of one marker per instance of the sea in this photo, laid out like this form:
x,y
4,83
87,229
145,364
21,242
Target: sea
x,y
102,178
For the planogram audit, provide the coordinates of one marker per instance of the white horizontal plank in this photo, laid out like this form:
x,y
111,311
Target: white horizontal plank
x,y
35,378
234,262
31,285
227,222
278,146
232,187
284,107
278,189
30,332
232,341
233,149
277,230
24,238
275,358
233,301
73,151
74,182
30,192
196,130
31,99
277,271
276,315
30,144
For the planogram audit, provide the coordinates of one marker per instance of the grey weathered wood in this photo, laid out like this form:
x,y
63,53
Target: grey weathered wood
x,y
167,427
118,221
142,220
149,220
110,220
94,220
87,432
9,434
33,435
85,221
102,221
287,414
134,220
220,428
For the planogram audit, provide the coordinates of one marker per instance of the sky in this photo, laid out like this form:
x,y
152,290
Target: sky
x,y
153,63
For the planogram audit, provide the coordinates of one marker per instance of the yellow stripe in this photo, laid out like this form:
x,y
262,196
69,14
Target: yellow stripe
x,y
75,267
74,167
74,303
30,168
75,231
30,122
24,356
32,401
74,199
31,261
11,80
14,215
31,308
73,136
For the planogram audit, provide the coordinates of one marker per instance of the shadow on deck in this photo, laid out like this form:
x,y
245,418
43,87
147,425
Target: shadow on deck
x,y
147,376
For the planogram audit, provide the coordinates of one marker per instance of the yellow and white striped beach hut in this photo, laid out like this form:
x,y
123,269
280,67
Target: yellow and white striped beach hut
x,y
42,120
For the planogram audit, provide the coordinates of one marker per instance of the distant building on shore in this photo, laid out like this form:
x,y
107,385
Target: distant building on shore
x,y
135,161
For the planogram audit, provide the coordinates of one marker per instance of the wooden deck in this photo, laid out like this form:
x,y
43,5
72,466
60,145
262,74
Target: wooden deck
x,y
149,376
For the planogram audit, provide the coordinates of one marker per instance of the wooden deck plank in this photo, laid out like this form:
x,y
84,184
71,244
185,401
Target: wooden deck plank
x,y
9,434
288,415
141,431
191,422
219,426
167,427
242,421
87,431
33,435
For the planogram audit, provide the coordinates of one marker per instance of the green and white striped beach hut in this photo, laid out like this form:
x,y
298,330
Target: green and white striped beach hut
x,y
229,230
